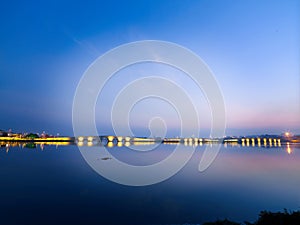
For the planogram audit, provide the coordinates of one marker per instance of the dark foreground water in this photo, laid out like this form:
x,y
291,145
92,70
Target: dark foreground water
x,y
57,186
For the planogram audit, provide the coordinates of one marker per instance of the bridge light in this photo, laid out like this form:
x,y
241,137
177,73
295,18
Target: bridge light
x,y
120,139
287,134
127,139
110,138
253,141
80,139
270,142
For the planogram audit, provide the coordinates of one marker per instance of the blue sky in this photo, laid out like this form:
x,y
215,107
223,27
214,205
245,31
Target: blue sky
x,y
252,47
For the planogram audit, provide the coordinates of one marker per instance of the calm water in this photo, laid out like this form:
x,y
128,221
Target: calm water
x,y
56,186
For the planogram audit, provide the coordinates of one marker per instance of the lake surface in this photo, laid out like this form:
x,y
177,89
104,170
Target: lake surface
x,y
57,186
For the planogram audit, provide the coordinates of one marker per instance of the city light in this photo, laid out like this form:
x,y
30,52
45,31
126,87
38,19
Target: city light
x,y
287,134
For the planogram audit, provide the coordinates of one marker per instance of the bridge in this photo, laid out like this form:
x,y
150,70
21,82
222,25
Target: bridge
x,y
126,140
120,141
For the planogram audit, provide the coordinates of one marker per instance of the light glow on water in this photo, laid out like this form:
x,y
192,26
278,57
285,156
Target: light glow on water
x,y
288,148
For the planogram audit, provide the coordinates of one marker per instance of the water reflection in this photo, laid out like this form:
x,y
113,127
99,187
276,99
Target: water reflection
x,y
288,148
246,143
60,185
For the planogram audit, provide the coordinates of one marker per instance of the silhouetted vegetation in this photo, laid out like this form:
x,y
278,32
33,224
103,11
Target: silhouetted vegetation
x,y
221,222
266,218
278,218
30,145
32,135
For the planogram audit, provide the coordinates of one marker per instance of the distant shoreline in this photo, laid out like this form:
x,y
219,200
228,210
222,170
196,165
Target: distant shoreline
x,y
257,140
48,139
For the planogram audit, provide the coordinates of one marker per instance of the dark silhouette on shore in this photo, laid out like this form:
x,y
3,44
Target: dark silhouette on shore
x,y
266,218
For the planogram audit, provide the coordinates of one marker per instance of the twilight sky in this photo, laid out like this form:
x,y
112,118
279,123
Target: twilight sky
x,y
252,47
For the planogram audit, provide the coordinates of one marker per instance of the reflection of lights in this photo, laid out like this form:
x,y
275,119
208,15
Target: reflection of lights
x,y
110,144
279,142
143,143
90,144
270,141
288,148
80,143
253,142
259,145
234,144
172,143
248,141
120,144
127,143
90,139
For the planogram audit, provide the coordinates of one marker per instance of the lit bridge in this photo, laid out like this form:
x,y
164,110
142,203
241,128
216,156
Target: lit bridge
x,y
119,141
125,140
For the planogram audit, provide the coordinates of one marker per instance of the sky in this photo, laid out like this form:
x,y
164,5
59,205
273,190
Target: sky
x,y
252,48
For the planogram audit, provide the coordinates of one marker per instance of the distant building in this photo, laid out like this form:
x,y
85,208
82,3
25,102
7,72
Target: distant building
x,y
3,133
